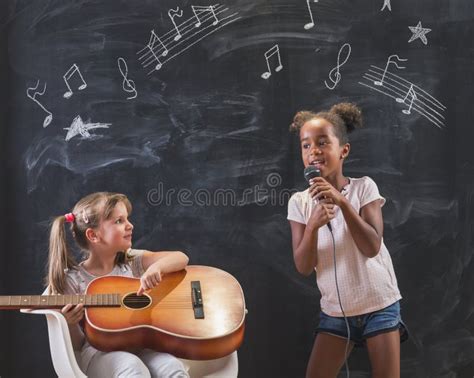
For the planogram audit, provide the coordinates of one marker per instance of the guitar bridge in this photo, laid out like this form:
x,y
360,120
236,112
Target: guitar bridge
x,y
196,295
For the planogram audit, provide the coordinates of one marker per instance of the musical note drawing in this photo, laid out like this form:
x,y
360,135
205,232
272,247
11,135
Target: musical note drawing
x,y
419,32
128,85
172,13
47,120
67,76
151,48
335,71
268,54
389,60
309,25
201,9
397,87
152,42
386,4
78,127
166,45
411,92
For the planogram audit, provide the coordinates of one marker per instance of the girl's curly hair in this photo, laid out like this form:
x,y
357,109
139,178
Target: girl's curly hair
x,y
345,117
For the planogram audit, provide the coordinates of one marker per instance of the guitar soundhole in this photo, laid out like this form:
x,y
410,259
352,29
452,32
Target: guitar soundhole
x,y
135,301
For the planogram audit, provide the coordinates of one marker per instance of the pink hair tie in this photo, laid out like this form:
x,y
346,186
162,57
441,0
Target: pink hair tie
x,y
69,217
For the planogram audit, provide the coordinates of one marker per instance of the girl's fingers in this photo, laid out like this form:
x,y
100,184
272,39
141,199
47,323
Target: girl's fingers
x,y
156,279
66,308
153,281
78,308
325,194
73,314
144,285
148,283
77,317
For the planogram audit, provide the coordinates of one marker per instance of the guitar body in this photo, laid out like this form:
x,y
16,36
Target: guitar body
x,y
166,320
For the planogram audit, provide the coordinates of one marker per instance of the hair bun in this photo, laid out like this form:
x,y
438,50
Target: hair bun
x,y
349,113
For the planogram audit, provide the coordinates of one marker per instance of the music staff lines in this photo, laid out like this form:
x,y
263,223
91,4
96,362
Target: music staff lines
x,y
192,44
152,54
172,32
400,88
407,84
186,26
420,92
415,106
397,91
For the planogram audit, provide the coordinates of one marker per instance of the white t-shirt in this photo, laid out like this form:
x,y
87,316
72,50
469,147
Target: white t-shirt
x,y
365,284
77,281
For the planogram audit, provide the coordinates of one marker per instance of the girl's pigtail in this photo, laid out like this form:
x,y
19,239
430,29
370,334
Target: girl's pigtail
x,y
350,114
59,257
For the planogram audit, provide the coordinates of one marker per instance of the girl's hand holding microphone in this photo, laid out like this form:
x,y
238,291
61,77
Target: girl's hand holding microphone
x,y
324,210
322,190
322,213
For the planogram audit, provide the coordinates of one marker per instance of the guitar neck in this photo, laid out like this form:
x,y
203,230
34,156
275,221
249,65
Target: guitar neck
x,y
17,302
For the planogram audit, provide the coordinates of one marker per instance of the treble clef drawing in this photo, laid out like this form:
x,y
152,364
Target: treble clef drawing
x,y
128,85
335,75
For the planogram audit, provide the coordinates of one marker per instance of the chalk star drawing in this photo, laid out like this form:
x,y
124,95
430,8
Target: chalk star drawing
x,y
419,32
78,127
386,4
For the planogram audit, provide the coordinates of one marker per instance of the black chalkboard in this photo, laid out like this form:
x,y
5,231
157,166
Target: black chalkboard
x,y
3,176
198,139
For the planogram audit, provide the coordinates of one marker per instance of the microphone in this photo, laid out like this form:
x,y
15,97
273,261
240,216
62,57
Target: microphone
x,y
309,173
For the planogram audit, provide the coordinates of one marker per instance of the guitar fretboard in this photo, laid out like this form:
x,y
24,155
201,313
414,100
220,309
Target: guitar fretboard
x,y
13,302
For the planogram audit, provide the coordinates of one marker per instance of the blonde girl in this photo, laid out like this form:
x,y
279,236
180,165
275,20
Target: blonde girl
x,y
102,230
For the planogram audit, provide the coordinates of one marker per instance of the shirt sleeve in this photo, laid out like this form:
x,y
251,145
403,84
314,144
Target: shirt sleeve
x,y
370,193
136,261
295,209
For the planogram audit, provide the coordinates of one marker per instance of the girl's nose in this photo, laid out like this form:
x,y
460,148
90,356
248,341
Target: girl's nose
x,y
129,225
314,150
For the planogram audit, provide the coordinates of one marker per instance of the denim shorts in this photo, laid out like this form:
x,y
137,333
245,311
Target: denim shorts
x,y
366,325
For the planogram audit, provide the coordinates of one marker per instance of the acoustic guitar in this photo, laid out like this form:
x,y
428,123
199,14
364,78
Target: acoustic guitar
x,y
197,313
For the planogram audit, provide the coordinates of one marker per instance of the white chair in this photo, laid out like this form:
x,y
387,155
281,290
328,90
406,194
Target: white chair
x,y
65,363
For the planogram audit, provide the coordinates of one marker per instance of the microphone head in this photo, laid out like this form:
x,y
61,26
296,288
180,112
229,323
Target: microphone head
x,y
311,172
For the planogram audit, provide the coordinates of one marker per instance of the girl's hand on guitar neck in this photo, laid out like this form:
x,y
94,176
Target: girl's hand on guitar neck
x,y
150,279
73,314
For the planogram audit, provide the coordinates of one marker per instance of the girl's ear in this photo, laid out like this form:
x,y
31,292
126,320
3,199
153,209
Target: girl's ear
x,y
91,235
345,150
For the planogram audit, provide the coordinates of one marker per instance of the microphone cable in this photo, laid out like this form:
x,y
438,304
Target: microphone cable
x,y
340,305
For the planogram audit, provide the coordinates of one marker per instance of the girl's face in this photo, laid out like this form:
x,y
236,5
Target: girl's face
x,y
320,147
116,232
